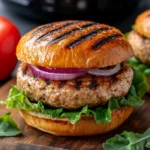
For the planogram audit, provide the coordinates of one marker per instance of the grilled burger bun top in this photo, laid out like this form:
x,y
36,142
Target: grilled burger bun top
x,y
74,44
142,23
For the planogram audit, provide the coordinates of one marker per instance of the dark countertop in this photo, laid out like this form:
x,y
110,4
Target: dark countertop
x,y
25,24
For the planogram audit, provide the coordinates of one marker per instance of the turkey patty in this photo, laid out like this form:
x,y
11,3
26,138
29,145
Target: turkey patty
x,y
141,46
72,94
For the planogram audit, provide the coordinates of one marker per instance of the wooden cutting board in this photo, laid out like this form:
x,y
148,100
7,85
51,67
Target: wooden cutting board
x,y
33,139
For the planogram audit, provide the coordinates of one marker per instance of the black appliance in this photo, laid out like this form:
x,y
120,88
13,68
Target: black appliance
x,y
49,10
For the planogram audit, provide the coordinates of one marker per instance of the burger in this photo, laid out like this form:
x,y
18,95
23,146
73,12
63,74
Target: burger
x,y
73,79
139,38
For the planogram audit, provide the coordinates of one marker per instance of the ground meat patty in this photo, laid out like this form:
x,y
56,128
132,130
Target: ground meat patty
x,y
86,90
141,46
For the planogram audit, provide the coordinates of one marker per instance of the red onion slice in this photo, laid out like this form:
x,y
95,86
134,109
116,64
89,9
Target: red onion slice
x,y
63,70
102,72
69,73
54,75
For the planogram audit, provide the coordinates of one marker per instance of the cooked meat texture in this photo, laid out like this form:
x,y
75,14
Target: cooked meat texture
x,y
72,94
141,46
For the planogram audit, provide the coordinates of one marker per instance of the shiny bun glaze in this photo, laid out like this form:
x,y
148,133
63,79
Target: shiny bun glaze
x,y
142,23
74,44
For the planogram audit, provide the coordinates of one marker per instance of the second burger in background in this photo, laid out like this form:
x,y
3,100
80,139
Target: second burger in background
x,y
73,79
139,38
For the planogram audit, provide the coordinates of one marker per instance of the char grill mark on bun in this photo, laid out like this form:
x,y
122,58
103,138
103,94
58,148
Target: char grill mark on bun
x,y
41,29
62,36
55,46
105,40
87,36
55,30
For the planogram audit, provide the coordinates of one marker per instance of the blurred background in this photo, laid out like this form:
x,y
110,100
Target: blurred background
x,y
27,14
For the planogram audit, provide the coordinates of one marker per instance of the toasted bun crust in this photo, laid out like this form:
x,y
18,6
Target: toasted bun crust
x,y
74,44
85,127
142,23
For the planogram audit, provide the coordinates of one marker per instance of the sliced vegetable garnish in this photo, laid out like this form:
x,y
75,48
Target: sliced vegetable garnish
x,y
56,74
8,127
71,73
136,64
103,72
128,141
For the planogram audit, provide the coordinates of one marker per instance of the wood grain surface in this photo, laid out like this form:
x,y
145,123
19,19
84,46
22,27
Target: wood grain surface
x,y
33,139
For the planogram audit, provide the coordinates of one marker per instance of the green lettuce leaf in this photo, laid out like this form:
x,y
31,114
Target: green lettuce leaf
x,y
140,73
8,127
140,83
133,27
74,116
148,144
113,104
52,112
18,100
128,141
127,33
131,99
136,64
101,114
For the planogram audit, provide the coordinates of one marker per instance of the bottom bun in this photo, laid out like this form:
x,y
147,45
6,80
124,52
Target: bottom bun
x,y
148,82
84,127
